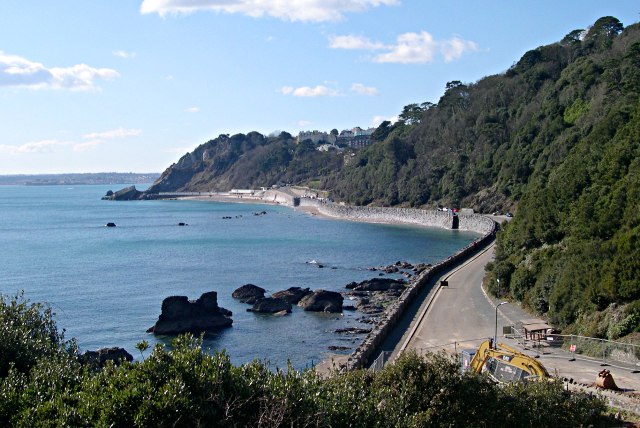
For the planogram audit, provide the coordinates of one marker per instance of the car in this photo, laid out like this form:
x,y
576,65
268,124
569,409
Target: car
x,y
509,215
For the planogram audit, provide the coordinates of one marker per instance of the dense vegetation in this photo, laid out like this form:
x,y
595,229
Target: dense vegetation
x,y
247,161
42,383
556,136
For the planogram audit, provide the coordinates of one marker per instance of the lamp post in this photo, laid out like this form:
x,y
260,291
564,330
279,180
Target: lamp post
x,y
495,333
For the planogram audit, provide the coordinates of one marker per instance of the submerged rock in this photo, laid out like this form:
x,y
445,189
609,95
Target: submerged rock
x,y
179,315
322,301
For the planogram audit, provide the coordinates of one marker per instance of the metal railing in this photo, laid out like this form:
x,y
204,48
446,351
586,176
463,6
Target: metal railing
x,y
605,352
380,362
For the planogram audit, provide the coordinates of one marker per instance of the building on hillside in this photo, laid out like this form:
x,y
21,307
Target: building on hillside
x,y
355,138
316,137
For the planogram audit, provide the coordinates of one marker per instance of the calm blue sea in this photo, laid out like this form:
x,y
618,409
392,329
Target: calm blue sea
x,y
106,285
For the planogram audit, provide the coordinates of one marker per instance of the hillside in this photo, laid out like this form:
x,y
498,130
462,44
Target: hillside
x,y
555,138
246,161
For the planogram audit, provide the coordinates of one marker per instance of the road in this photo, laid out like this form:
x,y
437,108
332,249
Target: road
x,y
461,315
458,313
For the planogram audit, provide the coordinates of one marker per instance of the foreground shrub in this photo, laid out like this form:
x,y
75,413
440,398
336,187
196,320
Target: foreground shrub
x,y
188,387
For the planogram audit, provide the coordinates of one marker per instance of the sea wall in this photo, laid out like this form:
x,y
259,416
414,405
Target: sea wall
x,y
429,218
279,197
367,350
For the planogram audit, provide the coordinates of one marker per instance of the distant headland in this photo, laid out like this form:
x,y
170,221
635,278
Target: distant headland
x,y
78,179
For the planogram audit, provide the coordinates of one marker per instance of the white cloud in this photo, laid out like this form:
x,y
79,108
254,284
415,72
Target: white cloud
x,y
304,122
377,120
18,71
454,48
409,48
86,146
289,10
33,147
89,142
124,54
353,42
114,133
307,91
192,110
360,89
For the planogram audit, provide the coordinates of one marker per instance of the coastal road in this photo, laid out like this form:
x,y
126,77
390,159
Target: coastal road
x,y
458,313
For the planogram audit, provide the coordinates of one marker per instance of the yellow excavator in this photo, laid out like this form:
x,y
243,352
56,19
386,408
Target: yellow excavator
x,y
502,363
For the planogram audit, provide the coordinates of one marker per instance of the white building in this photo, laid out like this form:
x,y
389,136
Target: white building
x,y
316,137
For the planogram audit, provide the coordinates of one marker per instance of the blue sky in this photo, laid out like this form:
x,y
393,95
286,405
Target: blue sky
x,y
131,85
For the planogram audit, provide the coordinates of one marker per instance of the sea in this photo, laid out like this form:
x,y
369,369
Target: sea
x,y
106,285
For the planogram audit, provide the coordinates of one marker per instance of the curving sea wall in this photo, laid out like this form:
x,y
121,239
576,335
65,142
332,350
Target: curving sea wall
x,y
365,352
429,218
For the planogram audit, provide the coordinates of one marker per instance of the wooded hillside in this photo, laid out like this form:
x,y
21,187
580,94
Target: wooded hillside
x,y
555,138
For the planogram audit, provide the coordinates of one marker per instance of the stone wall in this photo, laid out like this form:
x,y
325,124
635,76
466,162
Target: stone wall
x,y
367,350
429,218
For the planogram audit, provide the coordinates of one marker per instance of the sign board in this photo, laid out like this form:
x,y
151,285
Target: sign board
x,y
572,348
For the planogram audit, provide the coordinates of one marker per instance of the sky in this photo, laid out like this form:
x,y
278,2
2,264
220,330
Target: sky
x,y
132,85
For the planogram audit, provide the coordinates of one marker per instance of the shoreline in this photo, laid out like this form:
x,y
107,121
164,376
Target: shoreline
x,y
363,354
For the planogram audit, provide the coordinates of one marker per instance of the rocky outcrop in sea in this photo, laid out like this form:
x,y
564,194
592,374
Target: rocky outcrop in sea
x,y
248,293
127,194
180,315
322,301
100,357
293,294
271,305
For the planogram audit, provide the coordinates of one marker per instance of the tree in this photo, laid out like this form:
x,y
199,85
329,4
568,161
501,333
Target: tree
x,y
28,333
411,114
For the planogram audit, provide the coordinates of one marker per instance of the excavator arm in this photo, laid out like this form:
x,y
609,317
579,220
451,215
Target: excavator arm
x,y
505,364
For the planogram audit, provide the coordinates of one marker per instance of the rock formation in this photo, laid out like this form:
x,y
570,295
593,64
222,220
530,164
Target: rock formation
x,y
179,315
248,293
377,284
322,301
271,305
127,194
100,357
292,295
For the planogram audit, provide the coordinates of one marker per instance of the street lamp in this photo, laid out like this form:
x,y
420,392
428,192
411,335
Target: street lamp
x,y
495,333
